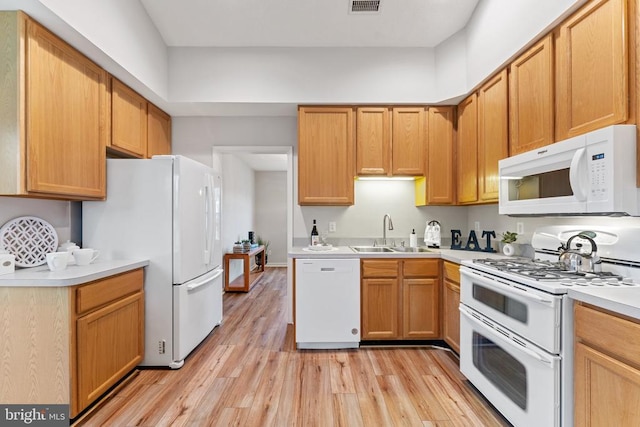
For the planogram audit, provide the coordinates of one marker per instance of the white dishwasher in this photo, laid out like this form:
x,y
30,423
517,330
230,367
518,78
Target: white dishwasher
x,y
327,303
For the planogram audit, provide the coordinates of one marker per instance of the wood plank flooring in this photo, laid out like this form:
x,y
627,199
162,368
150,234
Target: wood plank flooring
x,y
246,373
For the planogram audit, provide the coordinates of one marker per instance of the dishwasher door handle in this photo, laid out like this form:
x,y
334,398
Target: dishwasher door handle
x,y
327,269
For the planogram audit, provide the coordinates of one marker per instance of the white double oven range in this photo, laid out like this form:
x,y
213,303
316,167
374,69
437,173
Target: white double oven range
x,y
516,321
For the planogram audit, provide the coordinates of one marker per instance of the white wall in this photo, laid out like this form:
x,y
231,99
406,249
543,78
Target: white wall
x,y
238,183
499,29
302,75
119,35
116,34
271,213
362,222
63,216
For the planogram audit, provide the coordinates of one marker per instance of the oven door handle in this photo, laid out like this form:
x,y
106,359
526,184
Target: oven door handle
x,y
497,336
497,283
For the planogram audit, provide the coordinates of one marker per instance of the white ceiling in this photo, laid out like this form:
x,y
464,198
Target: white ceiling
x,y
307,23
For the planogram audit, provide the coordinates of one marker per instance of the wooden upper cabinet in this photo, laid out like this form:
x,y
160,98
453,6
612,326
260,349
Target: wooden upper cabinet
x,y
531,98
326,155
440,158
592,74
158,131
373,141
128,120
492,134
467,150
66,119
409,141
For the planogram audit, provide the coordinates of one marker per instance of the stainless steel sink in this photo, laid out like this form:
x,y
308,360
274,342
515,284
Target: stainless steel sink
x,y
371,249
410,249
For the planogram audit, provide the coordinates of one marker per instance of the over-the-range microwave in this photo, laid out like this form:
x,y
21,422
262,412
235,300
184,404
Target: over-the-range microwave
x,y
590,174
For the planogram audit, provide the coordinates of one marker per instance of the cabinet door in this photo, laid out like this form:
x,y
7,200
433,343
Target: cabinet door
x,y
467,150
409,141
492,134
440,156
128,120
592,68
607,391
373,141
531,98
379,309
326,162
66,119
420,308
158,131
451,301
110,343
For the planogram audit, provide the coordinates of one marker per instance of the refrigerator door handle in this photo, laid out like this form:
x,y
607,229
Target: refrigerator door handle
x,y
207,222
203,282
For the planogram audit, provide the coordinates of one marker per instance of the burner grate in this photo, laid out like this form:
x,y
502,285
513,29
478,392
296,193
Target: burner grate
x,y
541,270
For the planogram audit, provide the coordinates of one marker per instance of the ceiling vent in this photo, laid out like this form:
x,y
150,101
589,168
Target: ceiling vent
x,y
364,6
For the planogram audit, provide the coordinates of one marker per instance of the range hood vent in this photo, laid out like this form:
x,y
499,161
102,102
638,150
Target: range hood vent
x,y
364,6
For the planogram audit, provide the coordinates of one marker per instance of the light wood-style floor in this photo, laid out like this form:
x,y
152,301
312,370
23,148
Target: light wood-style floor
x,y
246,373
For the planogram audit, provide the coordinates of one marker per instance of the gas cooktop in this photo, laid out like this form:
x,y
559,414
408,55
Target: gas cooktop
x,y
541,270
548,276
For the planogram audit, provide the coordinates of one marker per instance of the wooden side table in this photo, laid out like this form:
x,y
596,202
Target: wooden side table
x,y
245,281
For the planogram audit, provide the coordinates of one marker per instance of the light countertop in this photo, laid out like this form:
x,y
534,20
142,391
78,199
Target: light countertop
x,y
346,252
72,275
623,300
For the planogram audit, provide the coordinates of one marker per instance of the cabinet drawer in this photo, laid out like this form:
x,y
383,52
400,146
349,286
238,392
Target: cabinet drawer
x,y
420,268
99,293
608,332
451,271
379,268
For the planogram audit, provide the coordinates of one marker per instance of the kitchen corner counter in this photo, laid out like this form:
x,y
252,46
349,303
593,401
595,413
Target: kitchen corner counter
x,y
346,252
625,301
72,275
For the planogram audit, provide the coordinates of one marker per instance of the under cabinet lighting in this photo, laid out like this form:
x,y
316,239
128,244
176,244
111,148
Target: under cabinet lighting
x,y
385,178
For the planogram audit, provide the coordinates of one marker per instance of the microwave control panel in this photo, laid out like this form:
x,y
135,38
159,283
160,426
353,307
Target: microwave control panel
x,y
598,175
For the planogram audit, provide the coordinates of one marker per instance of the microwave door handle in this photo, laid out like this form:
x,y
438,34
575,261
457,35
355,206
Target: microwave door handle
x,y
576,175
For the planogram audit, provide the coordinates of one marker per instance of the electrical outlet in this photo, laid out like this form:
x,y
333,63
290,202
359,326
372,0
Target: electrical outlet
x,y
332,226
476,225
519,227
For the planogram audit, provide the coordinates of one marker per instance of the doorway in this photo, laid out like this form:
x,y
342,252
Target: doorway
x,y
273,164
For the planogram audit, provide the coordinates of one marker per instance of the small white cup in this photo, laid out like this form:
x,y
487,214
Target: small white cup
x,y
85,256
57,260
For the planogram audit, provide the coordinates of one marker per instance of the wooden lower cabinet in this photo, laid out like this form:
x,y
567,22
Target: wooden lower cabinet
x,y
606,369
109,339
82,340
108,347
450,305
400,299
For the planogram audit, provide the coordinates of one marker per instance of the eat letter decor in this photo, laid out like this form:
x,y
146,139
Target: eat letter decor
x,y
472,241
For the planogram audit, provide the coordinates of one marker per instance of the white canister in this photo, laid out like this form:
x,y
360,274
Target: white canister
x,y
7,263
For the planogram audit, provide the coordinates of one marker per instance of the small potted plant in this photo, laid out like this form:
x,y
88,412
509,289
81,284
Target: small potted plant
x,y
265,243
237,247
508,238
246,245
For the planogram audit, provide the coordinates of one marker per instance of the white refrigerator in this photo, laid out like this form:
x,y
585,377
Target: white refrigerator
x,y
168,210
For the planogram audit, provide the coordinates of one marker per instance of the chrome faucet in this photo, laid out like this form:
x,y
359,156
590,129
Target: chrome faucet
x,y
384,228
